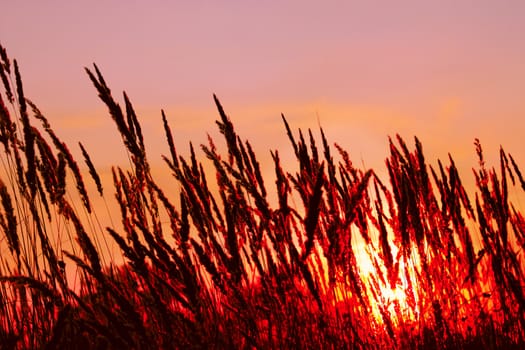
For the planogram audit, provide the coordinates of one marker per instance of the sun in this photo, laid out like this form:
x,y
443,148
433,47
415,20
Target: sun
x,y
397,302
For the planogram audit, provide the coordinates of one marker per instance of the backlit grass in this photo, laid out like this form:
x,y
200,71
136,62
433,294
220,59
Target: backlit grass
x,y
410,261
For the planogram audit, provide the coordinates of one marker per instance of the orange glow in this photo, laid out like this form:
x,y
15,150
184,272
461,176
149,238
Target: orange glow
x,y
204,238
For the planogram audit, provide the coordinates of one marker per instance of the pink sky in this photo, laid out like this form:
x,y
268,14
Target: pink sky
x,y
447,72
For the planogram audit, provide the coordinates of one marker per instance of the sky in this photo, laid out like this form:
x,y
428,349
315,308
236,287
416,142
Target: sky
x,y
445,71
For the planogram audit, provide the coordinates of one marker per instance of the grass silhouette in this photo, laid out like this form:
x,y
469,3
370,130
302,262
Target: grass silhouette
x,y
234,269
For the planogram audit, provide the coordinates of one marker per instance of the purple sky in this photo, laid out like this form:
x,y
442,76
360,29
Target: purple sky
x,y
447,72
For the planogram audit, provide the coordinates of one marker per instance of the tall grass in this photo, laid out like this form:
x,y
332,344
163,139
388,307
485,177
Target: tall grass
x,y
412,261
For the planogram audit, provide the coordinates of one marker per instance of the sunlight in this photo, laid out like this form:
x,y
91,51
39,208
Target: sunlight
x,y
399,303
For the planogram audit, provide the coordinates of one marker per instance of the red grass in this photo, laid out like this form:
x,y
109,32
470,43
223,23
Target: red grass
x,y
417,263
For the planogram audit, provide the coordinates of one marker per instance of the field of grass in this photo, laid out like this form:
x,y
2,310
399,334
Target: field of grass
x,y
407,262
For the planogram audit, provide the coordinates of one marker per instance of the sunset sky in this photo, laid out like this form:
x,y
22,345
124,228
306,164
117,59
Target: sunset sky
x,y
447,72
